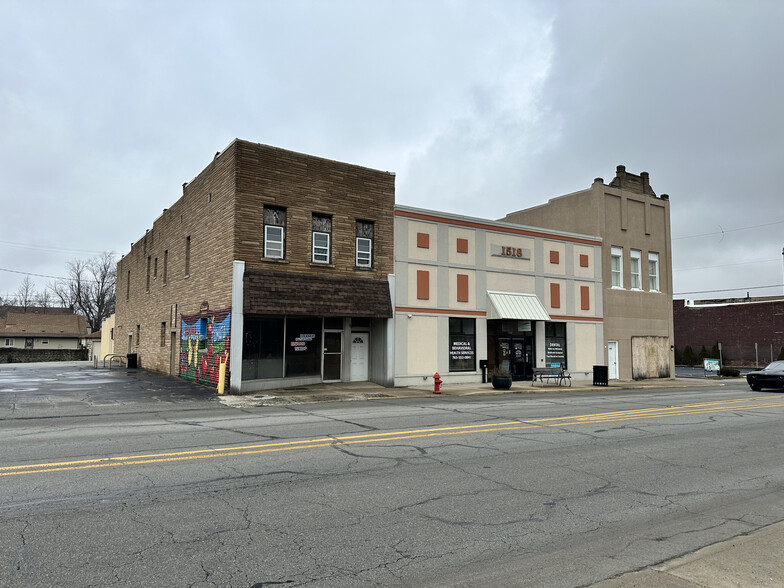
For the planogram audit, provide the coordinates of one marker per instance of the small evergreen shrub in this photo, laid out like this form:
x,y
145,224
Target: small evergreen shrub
x,y
688,356
729,372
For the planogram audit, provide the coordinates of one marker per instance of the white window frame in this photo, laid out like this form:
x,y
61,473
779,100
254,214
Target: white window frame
x,y
616,254
273,244
635,273
364,258
653,272
9,342
321,251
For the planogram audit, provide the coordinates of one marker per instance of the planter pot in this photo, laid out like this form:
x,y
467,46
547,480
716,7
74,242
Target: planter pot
x,y
502,382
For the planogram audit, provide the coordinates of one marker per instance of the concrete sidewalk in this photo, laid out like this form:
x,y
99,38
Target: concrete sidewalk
x,y
756,559
370,391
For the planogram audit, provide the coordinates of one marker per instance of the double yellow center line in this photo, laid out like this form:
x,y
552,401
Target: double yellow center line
x,y
734,405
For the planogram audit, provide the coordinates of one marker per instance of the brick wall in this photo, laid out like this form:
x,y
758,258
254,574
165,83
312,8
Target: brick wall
x,y
205,212
736,326
221,210
304,185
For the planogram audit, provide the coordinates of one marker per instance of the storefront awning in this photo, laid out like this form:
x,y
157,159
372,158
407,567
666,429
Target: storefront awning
x,y
511,305
300,294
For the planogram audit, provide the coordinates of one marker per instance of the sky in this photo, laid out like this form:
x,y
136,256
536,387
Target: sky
x,y
479,108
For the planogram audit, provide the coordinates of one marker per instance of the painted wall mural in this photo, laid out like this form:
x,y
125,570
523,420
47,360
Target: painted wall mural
x,y
205,342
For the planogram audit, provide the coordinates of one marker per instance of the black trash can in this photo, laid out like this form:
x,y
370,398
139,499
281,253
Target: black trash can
x,y
133,360
601,375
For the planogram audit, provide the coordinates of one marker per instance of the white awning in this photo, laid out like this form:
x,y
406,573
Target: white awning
x,y
510,305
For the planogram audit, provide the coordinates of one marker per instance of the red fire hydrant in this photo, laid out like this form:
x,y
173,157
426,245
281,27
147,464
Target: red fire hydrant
x,y
436,383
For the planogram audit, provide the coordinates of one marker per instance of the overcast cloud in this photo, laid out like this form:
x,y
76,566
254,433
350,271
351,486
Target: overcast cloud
x,y
480,108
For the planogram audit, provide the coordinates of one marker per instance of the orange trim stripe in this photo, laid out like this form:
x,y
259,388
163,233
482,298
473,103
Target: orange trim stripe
x,y
480,313
422,310
590,319
477,225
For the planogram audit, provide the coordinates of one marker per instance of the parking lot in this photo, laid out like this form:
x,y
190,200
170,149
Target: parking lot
x,y
73,387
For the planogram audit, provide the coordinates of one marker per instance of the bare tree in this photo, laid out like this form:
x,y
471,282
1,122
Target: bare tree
x,y
44,299
25,294
89,288
5,304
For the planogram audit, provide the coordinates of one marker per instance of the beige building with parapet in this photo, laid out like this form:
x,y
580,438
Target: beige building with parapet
x,y
636,257
470,290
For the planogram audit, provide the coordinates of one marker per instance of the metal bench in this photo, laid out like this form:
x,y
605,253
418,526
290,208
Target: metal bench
x,y
551,374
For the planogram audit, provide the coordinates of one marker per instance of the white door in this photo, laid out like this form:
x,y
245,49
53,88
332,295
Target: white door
x,y
359,357
612,360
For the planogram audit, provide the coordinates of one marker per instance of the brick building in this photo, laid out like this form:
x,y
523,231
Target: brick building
x,y
273,262
750,330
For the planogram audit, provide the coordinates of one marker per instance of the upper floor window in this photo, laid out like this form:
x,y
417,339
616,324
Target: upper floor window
x,y
635,261
187,256
653,272
616,267
365,231
322,233
274,232
149,264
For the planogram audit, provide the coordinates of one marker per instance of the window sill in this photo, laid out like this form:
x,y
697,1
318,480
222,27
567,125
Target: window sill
x,y
321,264
364,269
274,260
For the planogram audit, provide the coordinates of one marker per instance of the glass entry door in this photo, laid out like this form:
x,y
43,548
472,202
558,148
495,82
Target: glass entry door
x,y
516,355
333,356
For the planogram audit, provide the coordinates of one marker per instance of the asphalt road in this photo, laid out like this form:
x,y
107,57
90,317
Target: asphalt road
x,y
130,479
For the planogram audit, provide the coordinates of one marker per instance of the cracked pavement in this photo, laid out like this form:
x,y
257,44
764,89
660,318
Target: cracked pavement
x,y
480,490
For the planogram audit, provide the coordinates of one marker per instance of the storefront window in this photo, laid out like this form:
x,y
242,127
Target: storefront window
x,y
262,349
303,346
462,345
555,344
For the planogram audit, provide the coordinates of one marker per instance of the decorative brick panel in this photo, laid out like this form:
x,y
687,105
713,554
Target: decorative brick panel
x,y
462,287
423,285
555,295
585,298
554,257
462,245
423,240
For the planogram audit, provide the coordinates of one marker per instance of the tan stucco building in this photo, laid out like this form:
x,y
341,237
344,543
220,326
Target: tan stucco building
x,y
636,258
470,290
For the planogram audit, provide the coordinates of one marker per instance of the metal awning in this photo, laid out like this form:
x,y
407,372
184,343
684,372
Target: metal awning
x,y
511,305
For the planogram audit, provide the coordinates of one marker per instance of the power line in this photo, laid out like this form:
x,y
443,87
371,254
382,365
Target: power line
x,y
44,248
723,231
728,290
688,269
2,269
